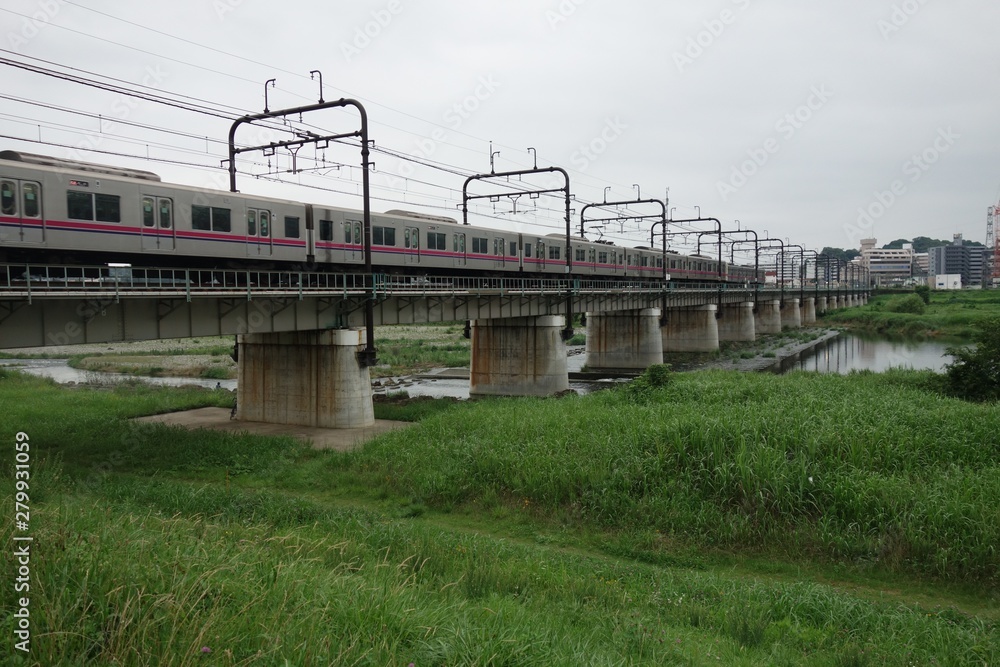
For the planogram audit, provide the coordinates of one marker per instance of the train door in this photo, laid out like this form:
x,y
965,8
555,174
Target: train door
x,y
22,201
541,254
354,241
411,242
258,232
157,228
458,246
499,248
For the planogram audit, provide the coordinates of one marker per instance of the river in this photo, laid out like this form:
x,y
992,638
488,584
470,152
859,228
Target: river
x,y
841,355
850,352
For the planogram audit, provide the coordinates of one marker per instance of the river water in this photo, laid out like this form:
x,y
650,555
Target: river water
x,y
840,355
850,352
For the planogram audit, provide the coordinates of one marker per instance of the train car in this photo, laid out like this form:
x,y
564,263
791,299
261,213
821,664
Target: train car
x,y
74,212
69,212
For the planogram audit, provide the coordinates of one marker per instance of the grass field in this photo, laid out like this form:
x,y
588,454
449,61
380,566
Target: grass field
x,y
950,313
718,519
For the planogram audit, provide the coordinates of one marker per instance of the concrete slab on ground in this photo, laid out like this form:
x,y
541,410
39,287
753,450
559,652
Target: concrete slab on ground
x,y
340,439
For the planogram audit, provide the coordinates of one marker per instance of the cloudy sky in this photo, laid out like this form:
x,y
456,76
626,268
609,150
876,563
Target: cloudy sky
x,y
817,121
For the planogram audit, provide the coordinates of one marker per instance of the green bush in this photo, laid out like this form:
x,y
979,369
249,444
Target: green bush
x,y
975,373
924,292
911,303
655,377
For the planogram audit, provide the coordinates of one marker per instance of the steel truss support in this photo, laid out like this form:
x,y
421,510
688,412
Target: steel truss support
x,y
368,356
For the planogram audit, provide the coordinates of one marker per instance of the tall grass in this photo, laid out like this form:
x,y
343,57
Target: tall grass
x,y
949,313
866,468
157,546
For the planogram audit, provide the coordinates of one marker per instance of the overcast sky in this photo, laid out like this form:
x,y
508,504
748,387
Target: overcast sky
x,y
818,121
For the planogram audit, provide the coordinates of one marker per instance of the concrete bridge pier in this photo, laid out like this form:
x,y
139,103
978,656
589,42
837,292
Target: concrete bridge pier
x,y
808,311
850,301
737,323
309,378
691,329
820,305
791,315
624,339
518,356
768,317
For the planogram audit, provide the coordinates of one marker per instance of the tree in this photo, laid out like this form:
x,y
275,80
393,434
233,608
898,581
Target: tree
x,y
840,253
975,373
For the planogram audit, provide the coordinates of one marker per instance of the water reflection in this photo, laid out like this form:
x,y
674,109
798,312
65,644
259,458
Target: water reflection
x,y
849,352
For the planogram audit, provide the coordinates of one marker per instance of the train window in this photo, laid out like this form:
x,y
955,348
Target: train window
x,y
527,250
251,222
79,205
579,255
213,218
644,260
348,233
479,245
31,209
221,219
148,212
358,239
513,248
8,198
326,230
458,243
201,218
406,237
554,252
265,223
602,257
166,213
383,236
673,264
592,256
291,227
108,207
659,262
496,250
436,241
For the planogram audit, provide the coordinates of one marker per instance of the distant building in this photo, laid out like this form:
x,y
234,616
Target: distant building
x,y
958,259
921,262
887,266
946,281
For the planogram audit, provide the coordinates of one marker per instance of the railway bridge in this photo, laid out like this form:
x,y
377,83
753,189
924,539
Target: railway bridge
x,y
299,334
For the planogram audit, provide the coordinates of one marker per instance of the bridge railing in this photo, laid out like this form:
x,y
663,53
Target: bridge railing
x,y
29,281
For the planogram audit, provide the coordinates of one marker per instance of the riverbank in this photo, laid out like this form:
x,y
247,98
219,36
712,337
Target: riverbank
x,y
717,518
950,314
766,354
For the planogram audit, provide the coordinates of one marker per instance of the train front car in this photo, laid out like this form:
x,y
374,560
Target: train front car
x,y
69,212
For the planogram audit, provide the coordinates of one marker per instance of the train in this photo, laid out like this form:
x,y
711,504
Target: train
x,y
68,212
